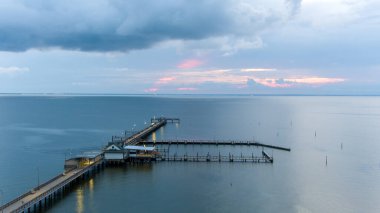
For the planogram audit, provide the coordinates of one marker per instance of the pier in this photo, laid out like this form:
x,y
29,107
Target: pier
x,y
118,152
169,120
215,142
44,194
137,137
265,158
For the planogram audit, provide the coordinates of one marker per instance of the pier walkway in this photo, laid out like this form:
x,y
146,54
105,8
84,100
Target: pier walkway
x,y
218,158
215,142
139,136
46,192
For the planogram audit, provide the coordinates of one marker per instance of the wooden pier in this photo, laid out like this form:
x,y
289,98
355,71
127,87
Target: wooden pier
x,y
46,193
139,136
215,142
169,120
218,158
79,168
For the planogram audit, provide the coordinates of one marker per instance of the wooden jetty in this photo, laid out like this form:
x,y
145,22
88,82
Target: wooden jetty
x,y
215,142
139,136
217,158
169,120
80,167
46,193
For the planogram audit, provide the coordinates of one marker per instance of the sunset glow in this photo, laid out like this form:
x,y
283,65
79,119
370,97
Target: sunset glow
x,y
188,64
238,78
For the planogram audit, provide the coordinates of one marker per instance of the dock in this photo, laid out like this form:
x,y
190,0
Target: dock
x,y
168,120
137,137
120,151
42,195
215,142
218,158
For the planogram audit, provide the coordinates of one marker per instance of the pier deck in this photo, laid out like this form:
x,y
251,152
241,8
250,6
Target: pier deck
x,y
137,138
217,158
215,142
170,120
29,200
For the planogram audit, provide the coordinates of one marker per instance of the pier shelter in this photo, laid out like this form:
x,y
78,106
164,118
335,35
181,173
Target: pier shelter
x,y
83,160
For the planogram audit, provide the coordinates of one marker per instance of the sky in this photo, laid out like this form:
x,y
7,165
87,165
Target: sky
x,y
316,47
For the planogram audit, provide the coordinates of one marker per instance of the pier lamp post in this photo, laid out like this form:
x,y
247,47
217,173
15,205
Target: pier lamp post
x,y
67,154
38,178
133,127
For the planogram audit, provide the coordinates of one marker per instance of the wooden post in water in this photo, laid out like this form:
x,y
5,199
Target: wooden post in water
x,y
326,160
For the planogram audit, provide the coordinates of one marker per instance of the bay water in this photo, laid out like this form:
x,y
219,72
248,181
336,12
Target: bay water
x,y
37,133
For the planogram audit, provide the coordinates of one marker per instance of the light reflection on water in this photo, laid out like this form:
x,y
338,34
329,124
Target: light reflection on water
x,y
154,137
79,200
91,187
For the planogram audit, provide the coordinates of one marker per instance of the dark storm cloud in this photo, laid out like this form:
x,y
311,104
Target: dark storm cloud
x,y
116,25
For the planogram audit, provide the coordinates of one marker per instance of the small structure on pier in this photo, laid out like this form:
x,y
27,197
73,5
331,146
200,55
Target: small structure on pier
x,y
114,152
83,160
141,153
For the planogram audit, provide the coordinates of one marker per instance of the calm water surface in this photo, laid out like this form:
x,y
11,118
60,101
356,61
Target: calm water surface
x,y
37,133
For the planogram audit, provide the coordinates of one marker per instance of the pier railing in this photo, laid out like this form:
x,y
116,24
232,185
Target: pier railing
x,y
58,186
215,142
49,191
136,138
29,192
216,158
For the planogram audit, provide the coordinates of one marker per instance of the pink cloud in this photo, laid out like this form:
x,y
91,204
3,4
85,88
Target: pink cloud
x,y
290,82
186,89
315,80
152,90
189,80
258,69
165,80
190,63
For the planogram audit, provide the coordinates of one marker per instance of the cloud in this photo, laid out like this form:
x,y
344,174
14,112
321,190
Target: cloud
x,y
165,80
13,70
258,69
194,79
109,25
296,81
294,6
151,90
188,64
315,80
274,83
251,83
186,89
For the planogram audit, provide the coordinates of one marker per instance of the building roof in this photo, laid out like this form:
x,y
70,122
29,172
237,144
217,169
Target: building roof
x,y
92,154
113,146
142,148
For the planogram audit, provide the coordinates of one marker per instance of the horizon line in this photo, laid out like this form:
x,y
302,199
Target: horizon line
x,y
169,94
